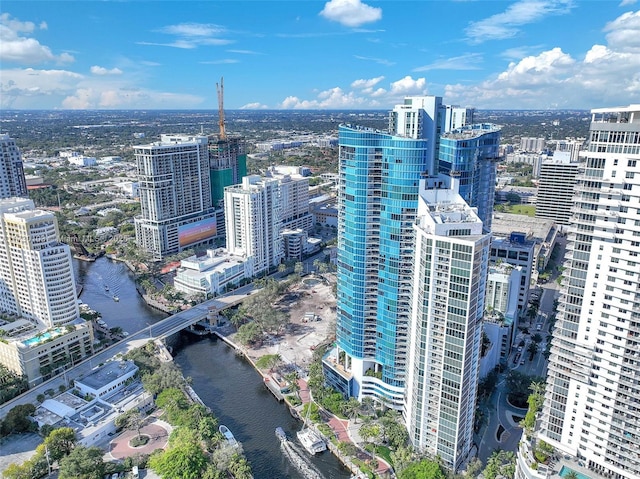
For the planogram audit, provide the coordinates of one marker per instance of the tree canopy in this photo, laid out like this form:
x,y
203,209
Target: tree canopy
x,y
82,463
424,469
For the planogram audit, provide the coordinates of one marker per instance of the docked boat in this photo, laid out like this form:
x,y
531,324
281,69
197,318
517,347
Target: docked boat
x,y
311,441
228,435
280,434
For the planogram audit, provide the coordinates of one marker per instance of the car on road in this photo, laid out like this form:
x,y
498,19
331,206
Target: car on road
x,y
522,362
519,349
539,327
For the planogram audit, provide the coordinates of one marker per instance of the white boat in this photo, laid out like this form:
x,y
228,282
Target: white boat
x,y
228,435
280,434
311,441
116,299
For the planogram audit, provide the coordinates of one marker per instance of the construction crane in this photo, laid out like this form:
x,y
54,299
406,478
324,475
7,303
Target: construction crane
x,y
220,89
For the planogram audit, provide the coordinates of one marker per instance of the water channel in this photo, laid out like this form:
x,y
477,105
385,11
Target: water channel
x,y
224,381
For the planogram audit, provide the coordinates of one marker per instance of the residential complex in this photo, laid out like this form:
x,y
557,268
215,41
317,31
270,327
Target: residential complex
x,y
12,182
501,315
590,411
40,321
37,281
555,190
450,272
470,153
175,195
253,215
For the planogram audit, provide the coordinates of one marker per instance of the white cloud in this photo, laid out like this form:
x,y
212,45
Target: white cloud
x,y
624,3
98,70
624,32
192,35
380,61
554,79
17,48
193,29
409,86
464,62
30,88
367,83
363,95
505,24
226,61
244,52
350,13
516,53
254,106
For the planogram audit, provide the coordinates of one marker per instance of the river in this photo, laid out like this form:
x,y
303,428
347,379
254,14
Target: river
x,y
226,383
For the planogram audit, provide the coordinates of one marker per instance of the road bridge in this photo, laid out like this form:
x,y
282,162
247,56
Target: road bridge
x,y
160,330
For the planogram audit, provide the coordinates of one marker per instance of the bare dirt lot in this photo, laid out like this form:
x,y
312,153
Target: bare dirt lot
x,y
311,306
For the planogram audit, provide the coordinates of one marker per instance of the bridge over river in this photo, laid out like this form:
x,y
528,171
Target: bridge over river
x,y
160,330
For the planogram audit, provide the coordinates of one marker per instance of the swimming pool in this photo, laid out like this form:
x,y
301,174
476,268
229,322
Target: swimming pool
x,y
565,470
43,337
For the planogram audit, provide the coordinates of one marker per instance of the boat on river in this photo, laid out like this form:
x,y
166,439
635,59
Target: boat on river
x,y
116,299
228,435
280,434
311,441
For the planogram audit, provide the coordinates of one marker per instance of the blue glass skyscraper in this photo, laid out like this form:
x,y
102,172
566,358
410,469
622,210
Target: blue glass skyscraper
x,y
470,153
378,196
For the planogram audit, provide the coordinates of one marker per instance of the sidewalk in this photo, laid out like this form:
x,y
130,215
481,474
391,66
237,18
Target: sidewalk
x,y
345,430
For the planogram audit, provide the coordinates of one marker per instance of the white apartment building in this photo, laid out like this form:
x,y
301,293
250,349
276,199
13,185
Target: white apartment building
x,y
592,401
175,195
12,182
253,217
37,280
501,315
532,144
555,190
451,258
294,197
516,249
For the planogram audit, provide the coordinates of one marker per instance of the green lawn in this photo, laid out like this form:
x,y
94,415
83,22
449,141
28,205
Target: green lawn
x,y
527,210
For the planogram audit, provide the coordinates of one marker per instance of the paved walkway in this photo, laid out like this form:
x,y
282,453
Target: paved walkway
x,y
158,431
345,431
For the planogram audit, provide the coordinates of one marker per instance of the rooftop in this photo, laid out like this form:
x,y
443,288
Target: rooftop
x,y
107,374
537,229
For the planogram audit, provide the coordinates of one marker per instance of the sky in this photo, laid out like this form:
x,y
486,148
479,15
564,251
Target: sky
x,y
301,54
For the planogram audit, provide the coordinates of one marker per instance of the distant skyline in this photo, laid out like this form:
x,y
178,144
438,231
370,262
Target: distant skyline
x,y
341,54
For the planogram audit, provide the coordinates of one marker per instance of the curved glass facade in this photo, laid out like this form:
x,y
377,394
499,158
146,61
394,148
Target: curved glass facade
x,y
470,153
378,196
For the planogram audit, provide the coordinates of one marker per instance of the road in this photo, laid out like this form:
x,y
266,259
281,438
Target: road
x,y
161,329
501,413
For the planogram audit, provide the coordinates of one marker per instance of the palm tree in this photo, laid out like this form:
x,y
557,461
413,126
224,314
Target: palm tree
x,y
571,475
351,408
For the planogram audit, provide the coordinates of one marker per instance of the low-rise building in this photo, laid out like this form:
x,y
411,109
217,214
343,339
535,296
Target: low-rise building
x,y
213,273
39,353
107,379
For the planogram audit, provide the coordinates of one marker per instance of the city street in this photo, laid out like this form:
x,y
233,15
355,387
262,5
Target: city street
x,y
500,412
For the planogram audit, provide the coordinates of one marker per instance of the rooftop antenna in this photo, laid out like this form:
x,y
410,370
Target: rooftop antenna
x,y
220,89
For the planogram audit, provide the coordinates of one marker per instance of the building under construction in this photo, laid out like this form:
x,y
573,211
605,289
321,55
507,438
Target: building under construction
x,y
227,164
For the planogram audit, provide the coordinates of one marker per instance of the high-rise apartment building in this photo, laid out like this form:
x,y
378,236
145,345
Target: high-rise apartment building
x,y
377,204
592,401
294,197
175,195
532,144
12,182
41,329
555,190
253,216
379,175
37,280
470,153
451,258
